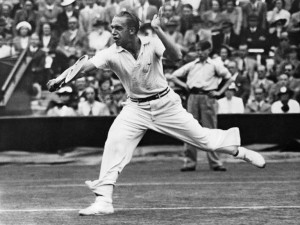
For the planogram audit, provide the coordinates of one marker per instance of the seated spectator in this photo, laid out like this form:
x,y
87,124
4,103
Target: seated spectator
x,y
49,11
88,15
6,50
62,107
285,104
37,66
278,12
5,10
259,8
3,31
196,34
246,64
294,80
214,16
92,107
230,103
99,38
168,14
226,36
21,41
275,32
282,81
73,41
79,88
186,19
262,81
29,14
115,8
241,81
258,104
48,39
171,30
294,28
253,35
283,49
119,96
224,55
234,14
69,10
145,11
111,104
105,87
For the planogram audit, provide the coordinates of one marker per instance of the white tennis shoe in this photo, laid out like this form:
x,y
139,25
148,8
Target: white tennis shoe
x,y
252,157
99,207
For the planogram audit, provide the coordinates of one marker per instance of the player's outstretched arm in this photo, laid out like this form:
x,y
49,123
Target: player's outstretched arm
x,y
172,51
58,82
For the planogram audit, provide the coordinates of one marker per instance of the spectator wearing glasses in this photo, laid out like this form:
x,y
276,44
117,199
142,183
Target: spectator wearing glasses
x,y
92,107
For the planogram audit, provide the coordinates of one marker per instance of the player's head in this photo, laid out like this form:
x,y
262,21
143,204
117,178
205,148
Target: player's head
x,y
124,26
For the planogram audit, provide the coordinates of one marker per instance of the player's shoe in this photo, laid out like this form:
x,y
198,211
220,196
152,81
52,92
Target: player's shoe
x,y
99,207
252,157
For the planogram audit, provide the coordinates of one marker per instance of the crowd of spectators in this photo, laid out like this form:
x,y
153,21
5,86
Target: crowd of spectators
x,y
257,40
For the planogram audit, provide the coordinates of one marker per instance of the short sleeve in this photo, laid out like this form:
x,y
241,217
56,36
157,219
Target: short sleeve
x,y
100,60
159,47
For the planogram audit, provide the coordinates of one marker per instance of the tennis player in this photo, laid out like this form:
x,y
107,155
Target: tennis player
x,y
151,104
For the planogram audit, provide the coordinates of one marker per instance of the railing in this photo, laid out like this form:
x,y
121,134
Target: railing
x,y
13,78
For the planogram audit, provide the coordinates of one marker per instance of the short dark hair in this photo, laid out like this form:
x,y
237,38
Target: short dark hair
x,y
132,20
187,6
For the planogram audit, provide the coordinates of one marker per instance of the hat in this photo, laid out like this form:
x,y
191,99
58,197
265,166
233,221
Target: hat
x,y
66,2
197,19
232,86
65,90
285,90
227,24
204,45
23,24
98,23
8,4
278,21
2,22
118,87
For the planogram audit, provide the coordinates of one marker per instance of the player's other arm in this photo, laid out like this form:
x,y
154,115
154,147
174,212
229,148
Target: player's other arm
x,y
172,51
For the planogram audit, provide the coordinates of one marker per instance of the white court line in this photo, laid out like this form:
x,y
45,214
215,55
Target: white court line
x,y
175,183
157,208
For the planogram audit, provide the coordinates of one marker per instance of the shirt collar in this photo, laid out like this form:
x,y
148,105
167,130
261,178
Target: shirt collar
x,y
144,41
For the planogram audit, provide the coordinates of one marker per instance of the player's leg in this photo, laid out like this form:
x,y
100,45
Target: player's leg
x,y
123,137
175,121
190,161
208,108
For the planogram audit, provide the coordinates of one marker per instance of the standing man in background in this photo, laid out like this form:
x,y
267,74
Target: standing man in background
x,y
203,77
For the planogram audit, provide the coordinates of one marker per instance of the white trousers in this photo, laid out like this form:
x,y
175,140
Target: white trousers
x,y
165,115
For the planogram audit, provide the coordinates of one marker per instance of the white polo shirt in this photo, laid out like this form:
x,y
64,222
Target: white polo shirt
x,y
141,77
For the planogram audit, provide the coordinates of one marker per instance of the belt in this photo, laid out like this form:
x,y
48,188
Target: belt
x,y
199,91
152,97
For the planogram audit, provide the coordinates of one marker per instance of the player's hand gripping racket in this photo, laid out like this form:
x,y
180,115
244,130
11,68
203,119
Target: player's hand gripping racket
x,y
68,75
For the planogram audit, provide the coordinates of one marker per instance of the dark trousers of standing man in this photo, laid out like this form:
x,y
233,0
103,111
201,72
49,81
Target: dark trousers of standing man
x,y
204,109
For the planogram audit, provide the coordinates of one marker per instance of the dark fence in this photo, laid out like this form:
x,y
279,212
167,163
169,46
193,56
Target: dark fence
x,y
47,134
